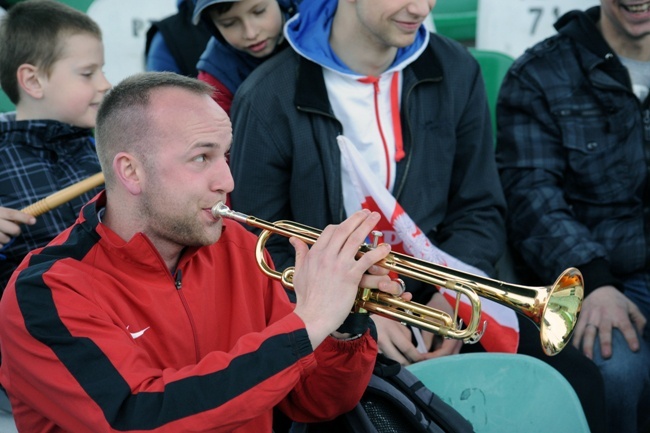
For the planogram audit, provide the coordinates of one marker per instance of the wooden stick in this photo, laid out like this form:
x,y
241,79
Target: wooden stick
x,y
65,195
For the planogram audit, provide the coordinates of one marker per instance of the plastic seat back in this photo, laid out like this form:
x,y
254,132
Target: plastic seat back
x,y
456,19
5,103
505,393
7,424
81,5
494,66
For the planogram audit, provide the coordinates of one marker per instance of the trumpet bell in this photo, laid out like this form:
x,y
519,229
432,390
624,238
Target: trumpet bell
x,y
560,313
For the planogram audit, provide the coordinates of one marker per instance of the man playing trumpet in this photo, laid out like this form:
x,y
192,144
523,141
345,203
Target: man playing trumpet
x,y
150,312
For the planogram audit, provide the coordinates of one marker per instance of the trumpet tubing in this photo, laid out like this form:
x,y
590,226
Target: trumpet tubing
x,y
554,309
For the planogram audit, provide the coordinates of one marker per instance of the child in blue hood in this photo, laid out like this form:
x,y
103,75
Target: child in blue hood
x,y
245,34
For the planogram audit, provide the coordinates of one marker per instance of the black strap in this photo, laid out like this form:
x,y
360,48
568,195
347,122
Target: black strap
x,y
355,323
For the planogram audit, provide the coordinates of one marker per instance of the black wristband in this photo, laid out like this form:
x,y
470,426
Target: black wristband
x,y
355,323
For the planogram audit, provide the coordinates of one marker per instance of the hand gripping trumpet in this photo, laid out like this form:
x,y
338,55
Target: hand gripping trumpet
x,y
554,309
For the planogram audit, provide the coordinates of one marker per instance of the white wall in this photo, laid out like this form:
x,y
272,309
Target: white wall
x,y
124,25
511,26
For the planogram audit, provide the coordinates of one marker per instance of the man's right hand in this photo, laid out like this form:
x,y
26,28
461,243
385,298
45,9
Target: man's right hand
x,y
10,221
328,275
394,339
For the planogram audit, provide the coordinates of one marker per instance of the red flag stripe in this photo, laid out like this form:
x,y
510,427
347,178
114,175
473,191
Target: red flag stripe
x,y
497,337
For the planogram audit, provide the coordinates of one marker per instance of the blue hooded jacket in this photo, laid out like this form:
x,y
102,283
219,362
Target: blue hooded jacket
x,y
227,64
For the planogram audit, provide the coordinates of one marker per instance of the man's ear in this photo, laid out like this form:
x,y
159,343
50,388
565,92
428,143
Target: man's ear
x,y
29,80
129,172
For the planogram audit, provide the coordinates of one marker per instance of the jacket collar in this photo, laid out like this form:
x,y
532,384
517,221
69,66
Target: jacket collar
x,y
138,251
47,134
581,27
311,93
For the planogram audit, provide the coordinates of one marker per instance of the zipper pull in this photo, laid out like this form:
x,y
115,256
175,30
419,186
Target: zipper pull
x,y
179,283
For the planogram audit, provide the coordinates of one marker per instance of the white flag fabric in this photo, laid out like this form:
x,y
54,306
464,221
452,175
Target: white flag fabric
x,y
502,330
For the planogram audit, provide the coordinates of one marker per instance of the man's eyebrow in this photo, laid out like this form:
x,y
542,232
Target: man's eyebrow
x,y
205,144
210,145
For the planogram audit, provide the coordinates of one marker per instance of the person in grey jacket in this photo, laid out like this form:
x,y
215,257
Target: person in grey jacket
x,y
573,140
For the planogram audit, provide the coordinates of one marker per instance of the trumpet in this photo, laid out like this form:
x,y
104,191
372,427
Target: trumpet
x,y
553,309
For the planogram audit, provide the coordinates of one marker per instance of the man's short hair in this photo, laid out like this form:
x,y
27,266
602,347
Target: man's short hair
x,y
123,120
34,32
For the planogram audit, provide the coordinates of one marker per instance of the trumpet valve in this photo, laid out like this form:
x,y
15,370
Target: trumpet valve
x,y
363,296
376,236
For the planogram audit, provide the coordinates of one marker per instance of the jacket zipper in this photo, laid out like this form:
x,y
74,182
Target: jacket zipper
x,y
375,86
397,188
178,283
646,194
646,148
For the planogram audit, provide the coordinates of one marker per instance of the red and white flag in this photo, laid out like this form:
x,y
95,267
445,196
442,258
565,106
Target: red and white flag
x,y
502,330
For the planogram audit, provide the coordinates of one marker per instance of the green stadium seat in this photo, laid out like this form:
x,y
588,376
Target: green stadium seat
x,y
494,66
5,103
456,19
81,5
501,392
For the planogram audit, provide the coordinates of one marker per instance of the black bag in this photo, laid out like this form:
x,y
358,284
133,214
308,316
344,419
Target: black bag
x,y
395,401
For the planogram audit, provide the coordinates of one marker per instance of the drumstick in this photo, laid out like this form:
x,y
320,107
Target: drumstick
x,y
65,195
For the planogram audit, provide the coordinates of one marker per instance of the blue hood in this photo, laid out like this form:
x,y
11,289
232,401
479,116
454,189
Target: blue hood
x,y
308,33
227,64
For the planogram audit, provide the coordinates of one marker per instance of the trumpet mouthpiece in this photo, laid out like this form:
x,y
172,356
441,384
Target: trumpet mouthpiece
x,y
221,210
